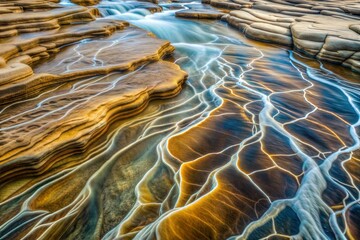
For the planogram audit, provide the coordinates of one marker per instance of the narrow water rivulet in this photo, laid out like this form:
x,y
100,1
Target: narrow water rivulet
x,y
261,142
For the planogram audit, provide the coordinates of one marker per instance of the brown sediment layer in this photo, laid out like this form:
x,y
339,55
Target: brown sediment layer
x,y
86,2
132,56
19,54
18,78
17,6
326,30
41,143
34,140
14,23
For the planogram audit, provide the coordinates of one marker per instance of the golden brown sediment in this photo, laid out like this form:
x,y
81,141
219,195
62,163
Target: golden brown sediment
x,y
11,24
41,143
35,140
18,56
44,37
86,2
17,6
19,87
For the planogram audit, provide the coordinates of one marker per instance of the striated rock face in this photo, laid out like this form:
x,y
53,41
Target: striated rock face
x,y
49,34
86,2
12,6
335,42
12,24
327,30
20,53
262,26
200,12
66,79
97,71
89,113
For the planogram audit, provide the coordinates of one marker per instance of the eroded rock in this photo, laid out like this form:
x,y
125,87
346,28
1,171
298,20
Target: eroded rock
x,y
90,73
325,30
199,13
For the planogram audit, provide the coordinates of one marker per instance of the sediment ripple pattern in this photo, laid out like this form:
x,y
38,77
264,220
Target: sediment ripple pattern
x,y
261,143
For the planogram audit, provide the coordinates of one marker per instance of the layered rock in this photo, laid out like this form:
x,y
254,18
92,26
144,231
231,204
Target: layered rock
x,y
327,30
18,80
84,115
89,74
199,13
16,6
259,25
335,42
86,2
12,24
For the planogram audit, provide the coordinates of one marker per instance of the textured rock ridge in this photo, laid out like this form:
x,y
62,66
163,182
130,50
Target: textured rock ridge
x,y
91,73
327,30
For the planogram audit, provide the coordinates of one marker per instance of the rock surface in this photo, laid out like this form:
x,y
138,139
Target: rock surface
x,y
51,51
86,2
327,30
199,13
44,32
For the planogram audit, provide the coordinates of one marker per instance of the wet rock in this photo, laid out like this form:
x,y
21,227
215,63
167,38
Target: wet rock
x,y
325,30
52,50
225,4
13,23
199,13
51,30
86,2
18,52
334,42
256,24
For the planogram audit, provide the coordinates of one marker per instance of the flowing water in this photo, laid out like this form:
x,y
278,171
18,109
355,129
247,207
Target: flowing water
x,y
261,143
